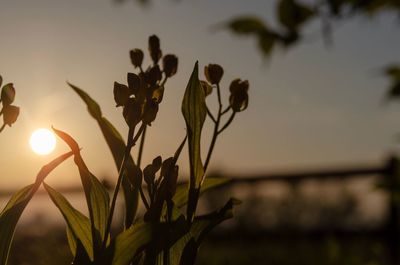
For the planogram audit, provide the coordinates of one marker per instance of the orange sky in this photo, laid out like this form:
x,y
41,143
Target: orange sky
x,y
311,106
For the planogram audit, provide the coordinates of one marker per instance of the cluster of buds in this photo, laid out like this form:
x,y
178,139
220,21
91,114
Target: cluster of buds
x,y
238,99
145,90
10,112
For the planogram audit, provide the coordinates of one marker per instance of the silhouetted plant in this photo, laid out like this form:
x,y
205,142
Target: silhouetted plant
x,y
10,112
163,234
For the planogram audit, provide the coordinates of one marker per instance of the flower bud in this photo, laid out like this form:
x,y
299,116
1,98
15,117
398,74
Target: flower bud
x,y
10,114
213,73
121,94
8,94
239,99
207,88
136,57
154,48
170,65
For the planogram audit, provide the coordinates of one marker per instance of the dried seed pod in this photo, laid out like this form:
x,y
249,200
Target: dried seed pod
x,y
207,88
213,73
133,83
170,65
239,98
136,57
153,75
154,48
10,114
121,94
150,111
132,112
8,94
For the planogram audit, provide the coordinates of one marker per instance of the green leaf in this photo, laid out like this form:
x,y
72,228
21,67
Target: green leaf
x,y
127,244
97,197
181,196
78,224
185,249
247,25
117,148
12,212
292,14
194,111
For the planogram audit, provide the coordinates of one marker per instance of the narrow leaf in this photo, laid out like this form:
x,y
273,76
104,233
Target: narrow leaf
x,y
12,212
78,224
97,197
117,148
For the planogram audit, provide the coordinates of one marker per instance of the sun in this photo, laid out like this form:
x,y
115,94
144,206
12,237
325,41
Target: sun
x,y
42,141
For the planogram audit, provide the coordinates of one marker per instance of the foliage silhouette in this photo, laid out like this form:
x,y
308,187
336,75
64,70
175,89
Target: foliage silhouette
x,y
163,234
9,112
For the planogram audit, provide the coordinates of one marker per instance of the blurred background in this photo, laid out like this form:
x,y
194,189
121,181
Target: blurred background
x,y
312,156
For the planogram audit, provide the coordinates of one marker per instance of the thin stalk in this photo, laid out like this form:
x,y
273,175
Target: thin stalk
x,y
226,110
215,134
2,127
142,138
228,122
130,143
210,115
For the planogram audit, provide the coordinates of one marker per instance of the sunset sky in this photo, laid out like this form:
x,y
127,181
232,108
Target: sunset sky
x,y
311,106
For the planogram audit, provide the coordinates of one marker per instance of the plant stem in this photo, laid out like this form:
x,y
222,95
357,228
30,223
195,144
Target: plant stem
x,y
215,134
130,143
2,127
227,123
142,138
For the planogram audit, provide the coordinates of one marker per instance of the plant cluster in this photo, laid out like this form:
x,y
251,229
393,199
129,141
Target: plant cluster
x,y
169,231
10,112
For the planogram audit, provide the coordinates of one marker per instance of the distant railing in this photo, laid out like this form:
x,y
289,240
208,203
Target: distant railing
x,y
390,182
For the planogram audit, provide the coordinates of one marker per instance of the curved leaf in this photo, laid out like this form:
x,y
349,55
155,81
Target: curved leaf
x,y
78,224
181,196
97,197
13,210
126,244
117,147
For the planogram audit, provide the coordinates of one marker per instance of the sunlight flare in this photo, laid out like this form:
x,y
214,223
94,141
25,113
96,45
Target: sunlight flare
x,y
42,141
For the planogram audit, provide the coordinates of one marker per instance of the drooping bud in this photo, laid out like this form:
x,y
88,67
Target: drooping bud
x,y
170,65
239,99
8,94
154,48
10,114
136,57
121,94
207,88
213,73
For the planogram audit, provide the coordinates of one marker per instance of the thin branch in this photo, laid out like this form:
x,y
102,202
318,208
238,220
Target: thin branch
x,y
210,115
226,110
130,143
227,123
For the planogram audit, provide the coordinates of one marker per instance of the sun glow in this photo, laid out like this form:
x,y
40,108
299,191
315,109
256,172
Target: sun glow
x,y
42,141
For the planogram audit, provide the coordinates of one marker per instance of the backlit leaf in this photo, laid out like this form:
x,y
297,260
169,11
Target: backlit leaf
x,y
97,197
77,223
194,111
16,205
117,147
